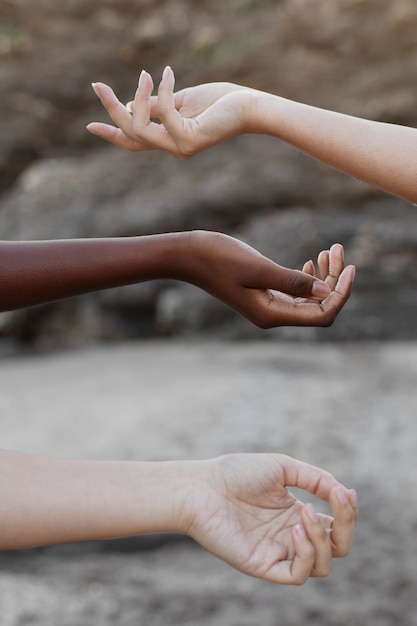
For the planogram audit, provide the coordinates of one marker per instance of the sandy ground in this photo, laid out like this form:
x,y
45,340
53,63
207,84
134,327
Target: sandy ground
x,y
349,408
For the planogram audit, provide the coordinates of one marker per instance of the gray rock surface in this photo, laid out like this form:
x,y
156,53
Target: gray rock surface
x,y
59,181
348,408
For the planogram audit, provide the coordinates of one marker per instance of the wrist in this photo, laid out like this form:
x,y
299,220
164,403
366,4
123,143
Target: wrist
x,y
196,496
178,488
177,256
257,113
208,251
270,114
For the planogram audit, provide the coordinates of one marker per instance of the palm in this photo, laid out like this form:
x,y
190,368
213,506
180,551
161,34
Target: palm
x,y
256,287
194,101
208,116
192,119
249,537
249,521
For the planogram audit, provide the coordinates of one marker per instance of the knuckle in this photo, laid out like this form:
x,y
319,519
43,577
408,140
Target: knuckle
x,y
327,319
163,107
184,157
299,578
324,570
136,132
321,533
341,551
298,283
186,148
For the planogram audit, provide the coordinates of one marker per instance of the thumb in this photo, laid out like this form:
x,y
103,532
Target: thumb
x,y
299,284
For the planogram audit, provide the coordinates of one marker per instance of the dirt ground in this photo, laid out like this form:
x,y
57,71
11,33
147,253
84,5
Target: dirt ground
x,y
347,407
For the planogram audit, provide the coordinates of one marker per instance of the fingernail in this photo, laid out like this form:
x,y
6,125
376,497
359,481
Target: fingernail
x,y
353,497
299,529
94,86
312,513
142,74
319,289
341,496
168,75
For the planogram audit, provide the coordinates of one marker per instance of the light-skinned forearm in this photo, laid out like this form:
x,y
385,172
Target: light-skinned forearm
x,y
237,507
46,501
381,154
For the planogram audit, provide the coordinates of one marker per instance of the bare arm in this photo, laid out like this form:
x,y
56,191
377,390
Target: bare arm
x,y
48,501
266,293
237,507
193,119
36,272
378,153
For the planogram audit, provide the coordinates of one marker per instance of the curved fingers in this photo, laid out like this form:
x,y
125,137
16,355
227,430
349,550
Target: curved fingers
x,y
309,313
308,268
339,295
115,136
273,308
319,537
141,109
334,264
134,129
117,111
298,570
145,106
345,511
323,264
167,111
279,296
329,536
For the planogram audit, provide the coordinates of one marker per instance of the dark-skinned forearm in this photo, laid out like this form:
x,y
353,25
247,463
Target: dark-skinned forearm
x,y
37,272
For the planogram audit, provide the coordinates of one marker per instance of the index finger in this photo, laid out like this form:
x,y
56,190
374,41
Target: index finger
x,y
117,111
315,480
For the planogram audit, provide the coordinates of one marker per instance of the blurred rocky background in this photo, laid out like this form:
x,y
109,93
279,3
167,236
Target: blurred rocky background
x,y
58,181
348,406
